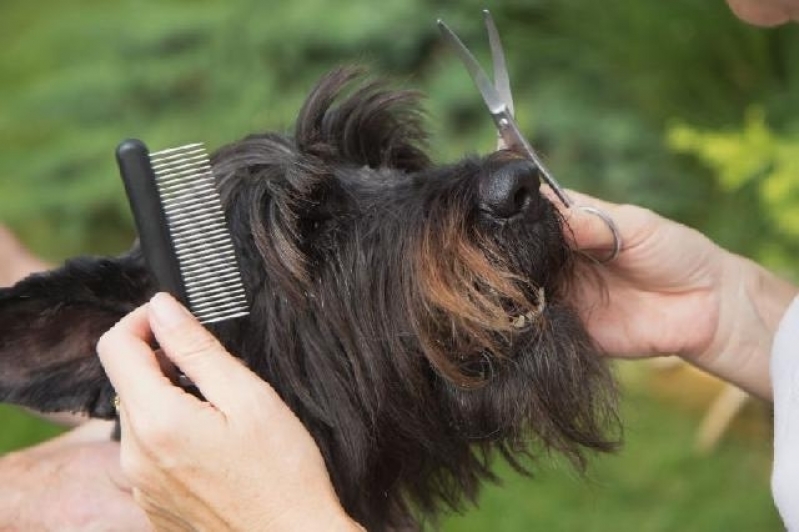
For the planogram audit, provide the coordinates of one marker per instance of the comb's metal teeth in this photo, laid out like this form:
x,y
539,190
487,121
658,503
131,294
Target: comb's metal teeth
x,y
186,160
162,153
212,263
219,267
193,233
200,235
219,303
188,177
222,317
210,317
216,280
233,291
211,218
214,276
187,183
187,204
226,293
179,208
221,275
206,248
179,157
191,261
218,311
177,152
194,240
187,198
171,173
174,189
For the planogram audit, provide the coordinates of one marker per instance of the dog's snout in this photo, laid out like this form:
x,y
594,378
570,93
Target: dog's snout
x,y
510,189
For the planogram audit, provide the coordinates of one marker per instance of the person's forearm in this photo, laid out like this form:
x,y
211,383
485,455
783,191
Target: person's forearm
x,y
751,303
65,419
11,498
16,262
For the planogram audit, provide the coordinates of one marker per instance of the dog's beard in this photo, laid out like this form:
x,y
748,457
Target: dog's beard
x,y
519,365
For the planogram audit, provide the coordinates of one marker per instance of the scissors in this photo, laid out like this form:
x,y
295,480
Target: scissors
x,y
499,100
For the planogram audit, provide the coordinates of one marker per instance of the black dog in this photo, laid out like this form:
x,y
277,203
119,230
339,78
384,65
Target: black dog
x,y
412,315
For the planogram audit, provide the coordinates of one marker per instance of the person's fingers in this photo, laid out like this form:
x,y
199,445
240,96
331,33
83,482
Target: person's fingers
x,y
763,13
586,231
220,377
132,365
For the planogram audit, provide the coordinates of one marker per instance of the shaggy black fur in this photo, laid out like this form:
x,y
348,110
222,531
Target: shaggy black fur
x,y
412,315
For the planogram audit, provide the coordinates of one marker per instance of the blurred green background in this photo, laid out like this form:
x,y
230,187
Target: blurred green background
x,y
674,105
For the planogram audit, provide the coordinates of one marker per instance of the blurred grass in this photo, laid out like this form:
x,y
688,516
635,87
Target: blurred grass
x,y
20,429
656,483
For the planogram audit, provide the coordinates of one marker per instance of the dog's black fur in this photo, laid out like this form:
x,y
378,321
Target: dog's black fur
x,y
412,315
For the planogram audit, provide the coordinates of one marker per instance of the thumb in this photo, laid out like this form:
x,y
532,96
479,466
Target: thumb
x,y
197,353
585,231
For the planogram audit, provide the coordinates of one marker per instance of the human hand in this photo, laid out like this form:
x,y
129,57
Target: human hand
x,y
72,482
765,12
16,261
673,291
241,461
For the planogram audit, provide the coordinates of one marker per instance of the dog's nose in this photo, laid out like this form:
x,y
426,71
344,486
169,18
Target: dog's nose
x,y
510,189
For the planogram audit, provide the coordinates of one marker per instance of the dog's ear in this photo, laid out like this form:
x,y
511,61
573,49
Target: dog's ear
x,y
49,327
369,126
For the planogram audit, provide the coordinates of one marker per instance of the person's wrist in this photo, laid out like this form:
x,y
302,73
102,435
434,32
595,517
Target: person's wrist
x,y
751,301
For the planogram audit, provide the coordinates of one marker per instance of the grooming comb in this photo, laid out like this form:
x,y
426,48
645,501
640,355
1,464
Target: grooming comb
x,y
182,228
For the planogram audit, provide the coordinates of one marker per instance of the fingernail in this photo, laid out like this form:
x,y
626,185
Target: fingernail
x,y
167,311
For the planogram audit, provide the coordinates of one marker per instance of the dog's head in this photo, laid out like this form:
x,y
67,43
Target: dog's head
x,y
411,314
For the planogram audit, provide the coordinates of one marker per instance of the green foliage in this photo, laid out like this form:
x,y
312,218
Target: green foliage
x,y
757,157
595,84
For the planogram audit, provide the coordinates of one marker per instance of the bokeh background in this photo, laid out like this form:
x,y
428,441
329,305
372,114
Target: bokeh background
x,y
674,105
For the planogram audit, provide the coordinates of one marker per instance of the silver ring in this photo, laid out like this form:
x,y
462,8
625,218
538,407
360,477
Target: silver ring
x,y
614,230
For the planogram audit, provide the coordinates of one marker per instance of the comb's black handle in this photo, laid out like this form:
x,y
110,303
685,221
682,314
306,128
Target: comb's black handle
x,y
156,243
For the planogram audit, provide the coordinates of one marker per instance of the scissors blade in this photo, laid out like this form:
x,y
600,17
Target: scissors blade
x,y
491,97
501,77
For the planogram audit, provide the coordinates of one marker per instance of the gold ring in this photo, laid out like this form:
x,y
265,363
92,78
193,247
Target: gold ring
x,y
117,403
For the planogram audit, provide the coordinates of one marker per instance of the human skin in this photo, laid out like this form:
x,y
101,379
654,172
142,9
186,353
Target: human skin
x,y
240,461
671,290
765,12
16,261
72,482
